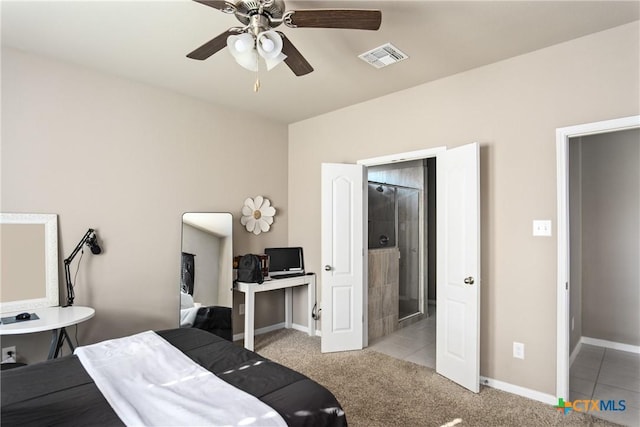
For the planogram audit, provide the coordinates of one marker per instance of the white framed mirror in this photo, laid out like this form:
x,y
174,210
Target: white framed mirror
x,y
29,266
206,276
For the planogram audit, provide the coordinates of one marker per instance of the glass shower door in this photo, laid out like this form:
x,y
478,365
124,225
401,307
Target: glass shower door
x,y
408,221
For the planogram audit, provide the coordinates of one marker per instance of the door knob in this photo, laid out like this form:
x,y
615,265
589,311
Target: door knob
x,y
469,280
327,268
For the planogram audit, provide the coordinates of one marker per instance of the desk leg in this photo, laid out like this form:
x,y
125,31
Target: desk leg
x,y
288,307
58,337
249,312
53,348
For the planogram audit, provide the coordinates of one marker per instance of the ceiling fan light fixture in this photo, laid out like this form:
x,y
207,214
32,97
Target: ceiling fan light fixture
x,y
269,44
272,62
241,43
242,49
248,60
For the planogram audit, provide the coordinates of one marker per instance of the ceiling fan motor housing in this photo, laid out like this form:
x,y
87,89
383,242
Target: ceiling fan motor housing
x,y
271,10
258,24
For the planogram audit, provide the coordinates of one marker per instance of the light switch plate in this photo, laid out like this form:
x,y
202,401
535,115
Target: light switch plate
x,y
542,227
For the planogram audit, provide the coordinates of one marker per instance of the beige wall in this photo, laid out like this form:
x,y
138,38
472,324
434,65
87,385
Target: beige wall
x,y
128,160
513,109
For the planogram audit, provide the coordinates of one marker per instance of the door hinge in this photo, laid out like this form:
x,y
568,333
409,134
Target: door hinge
x,y
566,286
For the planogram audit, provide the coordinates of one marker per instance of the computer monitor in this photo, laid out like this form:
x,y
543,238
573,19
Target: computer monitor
x,y
285,261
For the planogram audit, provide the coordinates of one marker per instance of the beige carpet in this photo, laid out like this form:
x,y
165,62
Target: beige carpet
x,y
377,390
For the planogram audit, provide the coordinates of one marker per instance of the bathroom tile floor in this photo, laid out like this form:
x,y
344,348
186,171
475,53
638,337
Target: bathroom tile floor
x,y
415,343
600,373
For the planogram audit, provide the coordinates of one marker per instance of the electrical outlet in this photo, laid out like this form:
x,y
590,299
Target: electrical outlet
x,y
241,309
518,350
9,352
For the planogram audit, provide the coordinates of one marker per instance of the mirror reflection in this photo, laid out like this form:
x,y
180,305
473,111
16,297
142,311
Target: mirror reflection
x,y
206,273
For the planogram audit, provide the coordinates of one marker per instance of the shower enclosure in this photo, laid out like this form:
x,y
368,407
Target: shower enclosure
x,y
394,221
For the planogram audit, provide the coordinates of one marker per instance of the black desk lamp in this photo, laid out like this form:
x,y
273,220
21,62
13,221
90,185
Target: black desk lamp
x,y
90,240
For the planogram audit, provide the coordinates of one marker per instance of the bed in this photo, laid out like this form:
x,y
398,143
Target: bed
x,y
61,392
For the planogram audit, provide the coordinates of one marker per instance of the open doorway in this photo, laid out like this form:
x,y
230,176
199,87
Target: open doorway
x,y
598,235
344,244
402,259
604,235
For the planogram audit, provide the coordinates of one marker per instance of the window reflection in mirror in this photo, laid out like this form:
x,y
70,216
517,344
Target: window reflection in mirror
x,y
206,271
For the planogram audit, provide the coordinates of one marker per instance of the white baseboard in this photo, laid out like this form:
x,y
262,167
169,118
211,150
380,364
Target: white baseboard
x,y
275,327
610,344
575,352
305,329
520,391
260,331
300,328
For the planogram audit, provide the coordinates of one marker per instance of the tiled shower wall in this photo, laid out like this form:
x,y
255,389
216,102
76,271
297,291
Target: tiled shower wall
x,y
384,280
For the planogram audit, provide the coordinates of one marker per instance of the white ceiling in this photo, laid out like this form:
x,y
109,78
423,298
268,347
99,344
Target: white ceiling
x,y
147,41
218,224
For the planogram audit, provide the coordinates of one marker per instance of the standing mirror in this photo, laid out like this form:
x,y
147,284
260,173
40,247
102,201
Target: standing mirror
x,y
206,272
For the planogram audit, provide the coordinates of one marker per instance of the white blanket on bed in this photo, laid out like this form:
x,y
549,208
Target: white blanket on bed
x,y
149,382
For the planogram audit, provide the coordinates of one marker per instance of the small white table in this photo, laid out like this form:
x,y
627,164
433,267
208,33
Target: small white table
x,y
53,319
250,290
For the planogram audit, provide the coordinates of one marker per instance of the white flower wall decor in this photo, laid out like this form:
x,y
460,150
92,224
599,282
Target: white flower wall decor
x,y
257,215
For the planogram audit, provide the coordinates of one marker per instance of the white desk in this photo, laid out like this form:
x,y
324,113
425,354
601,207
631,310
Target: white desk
x,y
250,290
53,319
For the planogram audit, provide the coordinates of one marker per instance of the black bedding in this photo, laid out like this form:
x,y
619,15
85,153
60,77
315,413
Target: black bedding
x,y
60,392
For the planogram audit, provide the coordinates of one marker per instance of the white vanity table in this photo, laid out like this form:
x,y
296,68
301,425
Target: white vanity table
x,y
54,319
250,290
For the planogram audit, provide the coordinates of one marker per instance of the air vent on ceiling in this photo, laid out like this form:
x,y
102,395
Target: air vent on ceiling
x,y
384,55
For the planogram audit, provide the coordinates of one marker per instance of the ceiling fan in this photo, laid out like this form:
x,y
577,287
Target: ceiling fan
x,y
257,39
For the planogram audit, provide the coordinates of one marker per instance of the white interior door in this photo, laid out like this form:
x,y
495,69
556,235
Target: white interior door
x,y
343,256
458,282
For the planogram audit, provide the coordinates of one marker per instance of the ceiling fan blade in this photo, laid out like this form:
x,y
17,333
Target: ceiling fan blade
x,y
357,19
222,5
295,61
212,46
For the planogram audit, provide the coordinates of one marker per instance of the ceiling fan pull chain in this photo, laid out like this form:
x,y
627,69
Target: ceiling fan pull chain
x,y
256,86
